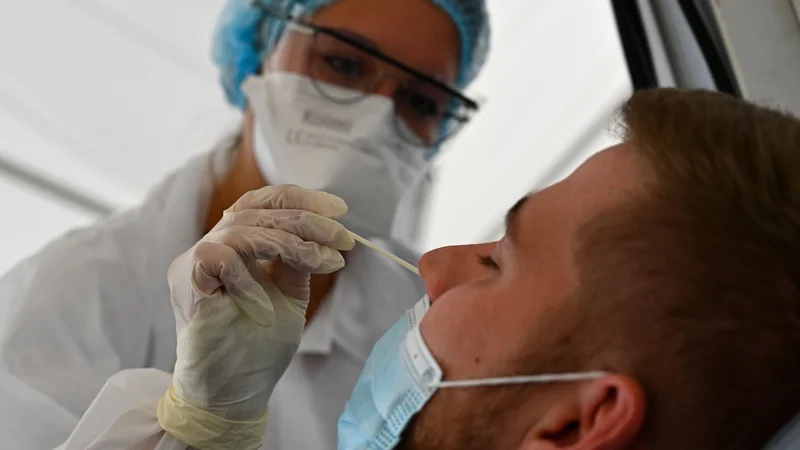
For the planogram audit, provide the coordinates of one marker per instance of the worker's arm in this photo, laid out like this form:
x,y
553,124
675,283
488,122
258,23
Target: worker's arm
x,y
31,419
239,297
124,415
60,340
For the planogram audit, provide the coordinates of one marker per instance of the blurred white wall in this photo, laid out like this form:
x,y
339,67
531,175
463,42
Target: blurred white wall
x,y
555,75
103,98
29,218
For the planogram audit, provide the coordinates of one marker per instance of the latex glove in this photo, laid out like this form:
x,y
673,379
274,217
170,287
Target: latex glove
x,y
239,298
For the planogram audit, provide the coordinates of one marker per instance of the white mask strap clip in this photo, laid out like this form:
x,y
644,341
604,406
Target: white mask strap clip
x,y
419,359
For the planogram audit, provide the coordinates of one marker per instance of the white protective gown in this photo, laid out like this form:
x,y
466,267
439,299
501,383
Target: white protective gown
x,y
96,302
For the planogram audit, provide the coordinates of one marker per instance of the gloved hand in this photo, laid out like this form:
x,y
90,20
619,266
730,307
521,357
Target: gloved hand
x,y
239,298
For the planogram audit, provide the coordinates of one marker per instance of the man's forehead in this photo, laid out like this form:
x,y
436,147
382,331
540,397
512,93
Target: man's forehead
x,y
603,180
614,168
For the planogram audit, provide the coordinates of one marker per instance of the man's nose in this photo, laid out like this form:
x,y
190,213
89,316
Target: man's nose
x,y
447,267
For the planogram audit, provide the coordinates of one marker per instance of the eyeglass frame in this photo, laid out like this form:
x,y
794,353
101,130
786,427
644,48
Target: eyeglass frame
x,y
470,104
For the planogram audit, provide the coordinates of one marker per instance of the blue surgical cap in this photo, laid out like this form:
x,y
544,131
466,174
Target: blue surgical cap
x,y
240,43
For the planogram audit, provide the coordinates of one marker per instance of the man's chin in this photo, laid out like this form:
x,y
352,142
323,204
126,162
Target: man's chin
x,y
407,438
457,422
436,427
421,434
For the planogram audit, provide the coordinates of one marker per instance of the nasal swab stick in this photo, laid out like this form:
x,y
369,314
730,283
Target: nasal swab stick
x,y
385,253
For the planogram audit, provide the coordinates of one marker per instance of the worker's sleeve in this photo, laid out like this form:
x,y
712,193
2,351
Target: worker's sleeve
x,y
68,321
123,416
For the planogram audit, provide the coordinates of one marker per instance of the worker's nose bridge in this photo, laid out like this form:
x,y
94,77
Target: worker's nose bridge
x,y
388,84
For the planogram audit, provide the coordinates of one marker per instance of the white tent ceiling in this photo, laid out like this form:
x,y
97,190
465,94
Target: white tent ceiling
x,y
113,85
556,74
104,97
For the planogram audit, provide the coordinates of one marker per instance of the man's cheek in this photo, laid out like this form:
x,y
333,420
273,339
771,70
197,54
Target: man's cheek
x,y
441,284
439,330
453,331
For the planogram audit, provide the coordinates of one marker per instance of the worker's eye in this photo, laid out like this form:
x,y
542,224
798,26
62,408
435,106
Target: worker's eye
x,y
487,261
423,106
348,67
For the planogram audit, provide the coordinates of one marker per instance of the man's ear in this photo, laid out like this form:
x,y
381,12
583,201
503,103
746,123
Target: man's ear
x,y
606,413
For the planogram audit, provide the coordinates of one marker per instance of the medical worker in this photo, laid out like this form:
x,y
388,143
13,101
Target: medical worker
x,y
349,97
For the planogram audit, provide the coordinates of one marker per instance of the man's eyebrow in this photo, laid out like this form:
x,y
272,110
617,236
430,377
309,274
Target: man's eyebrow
x,y
513,213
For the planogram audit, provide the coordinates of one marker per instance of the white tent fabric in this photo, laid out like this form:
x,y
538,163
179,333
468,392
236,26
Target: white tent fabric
x,y
101,97
556,74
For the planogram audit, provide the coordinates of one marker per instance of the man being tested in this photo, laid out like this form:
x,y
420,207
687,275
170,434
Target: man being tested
x,y
649,300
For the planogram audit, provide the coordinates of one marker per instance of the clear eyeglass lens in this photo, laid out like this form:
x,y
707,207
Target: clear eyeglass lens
x,y
428,114
337,63
429,129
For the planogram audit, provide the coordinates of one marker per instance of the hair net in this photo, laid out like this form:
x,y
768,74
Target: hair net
x,y
244,34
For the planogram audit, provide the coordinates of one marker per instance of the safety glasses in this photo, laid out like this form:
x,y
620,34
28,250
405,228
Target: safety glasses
x,y
427,110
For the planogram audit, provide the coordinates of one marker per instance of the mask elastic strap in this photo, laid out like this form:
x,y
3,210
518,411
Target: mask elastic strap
x,y
547,378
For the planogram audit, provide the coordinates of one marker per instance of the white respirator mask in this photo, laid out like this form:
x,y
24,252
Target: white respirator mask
x,y
347,149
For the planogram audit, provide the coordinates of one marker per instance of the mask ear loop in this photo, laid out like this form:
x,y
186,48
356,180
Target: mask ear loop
x,y
423,364
503,381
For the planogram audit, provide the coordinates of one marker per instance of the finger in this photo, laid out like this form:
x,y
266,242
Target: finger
x,y
219,266
253,243
289,280
306,225
292,197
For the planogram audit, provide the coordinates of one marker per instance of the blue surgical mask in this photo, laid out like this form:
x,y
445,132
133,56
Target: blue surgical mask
x,y
399,378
